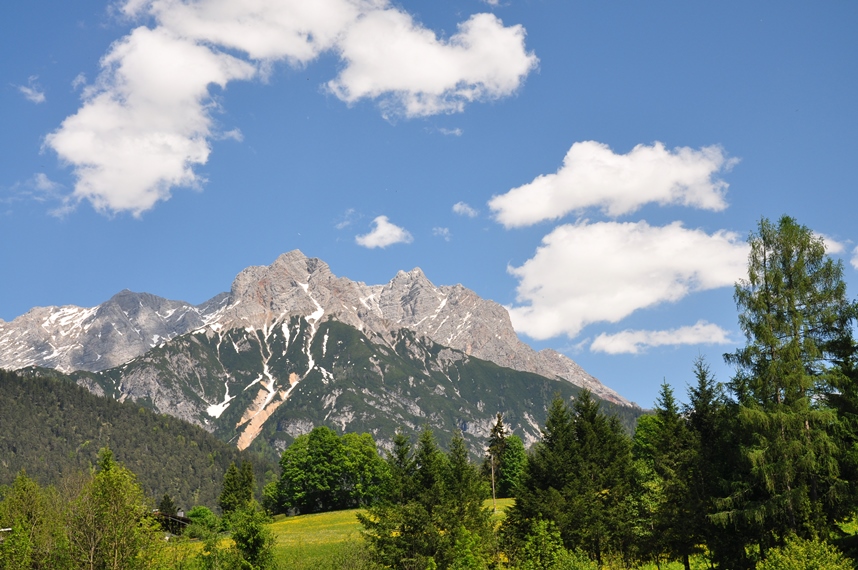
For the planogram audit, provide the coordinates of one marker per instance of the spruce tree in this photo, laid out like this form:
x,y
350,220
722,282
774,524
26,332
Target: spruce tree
x,y
673,462
580,477
512,465
235,493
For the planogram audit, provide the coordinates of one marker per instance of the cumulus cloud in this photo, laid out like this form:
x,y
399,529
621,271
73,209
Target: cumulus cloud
x,y
593,176
854,261
463,209
383,234
603,272
146,123
412,72
32,91
636,342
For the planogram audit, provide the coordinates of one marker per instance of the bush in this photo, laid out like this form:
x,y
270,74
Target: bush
x,y
800,554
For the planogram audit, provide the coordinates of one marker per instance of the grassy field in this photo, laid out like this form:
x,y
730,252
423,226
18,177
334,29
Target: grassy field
x,y
307,539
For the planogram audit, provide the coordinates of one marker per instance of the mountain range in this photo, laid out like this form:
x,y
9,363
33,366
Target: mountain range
x,y
291,346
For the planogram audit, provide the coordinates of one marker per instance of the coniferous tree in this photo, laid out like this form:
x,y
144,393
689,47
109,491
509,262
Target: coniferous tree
x,y
433,508
579,477
235,492
401,466
673,462
167,506
717,459
494,453
791,307
463,516
512,464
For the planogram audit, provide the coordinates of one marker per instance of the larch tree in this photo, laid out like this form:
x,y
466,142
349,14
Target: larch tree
x,y
791,306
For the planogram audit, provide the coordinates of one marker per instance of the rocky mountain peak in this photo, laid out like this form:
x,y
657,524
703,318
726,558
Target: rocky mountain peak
x,y
294,285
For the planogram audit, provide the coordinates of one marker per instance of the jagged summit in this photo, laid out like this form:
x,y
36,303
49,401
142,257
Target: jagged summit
x,y
294,285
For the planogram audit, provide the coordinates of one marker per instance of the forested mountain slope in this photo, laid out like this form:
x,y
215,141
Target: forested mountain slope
x,y
265,387
52,428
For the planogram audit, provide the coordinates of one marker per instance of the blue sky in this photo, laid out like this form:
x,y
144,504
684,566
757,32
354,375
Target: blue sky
x,y
595,166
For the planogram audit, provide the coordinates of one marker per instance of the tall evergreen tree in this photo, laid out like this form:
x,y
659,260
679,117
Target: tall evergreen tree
x,y
237,490
673,463
512,465
579,476
494,453
790,306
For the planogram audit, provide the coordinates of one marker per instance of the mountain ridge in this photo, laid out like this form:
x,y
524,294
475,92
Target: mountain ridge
x,y
130,324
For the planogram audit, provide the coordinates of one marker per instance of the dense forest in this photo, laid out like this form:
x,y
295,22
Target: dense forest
x,y
52,429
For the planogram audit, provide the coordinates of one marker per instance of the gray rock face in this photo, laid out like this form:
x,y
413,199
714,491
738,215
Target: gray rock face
x,y
74,338
452,316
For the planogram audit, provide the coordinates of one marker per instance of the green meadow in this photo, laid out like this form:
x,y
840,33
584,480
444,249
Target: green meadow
x,y
308,541
314,541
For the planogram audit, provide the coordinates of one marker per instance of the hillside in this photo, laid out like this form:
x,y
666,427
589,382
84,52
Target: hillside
x,y
52,429
261,389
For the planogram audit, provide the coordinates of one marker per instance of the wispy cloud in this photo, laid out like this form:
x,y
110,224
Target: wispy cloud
x,y
146,123
638,341
464,209
32,91
593,176
383,234
347,219
442,233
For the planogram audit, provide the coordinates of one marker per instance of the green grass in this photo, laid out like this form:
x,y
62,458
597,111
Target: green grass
x,y
307,539
310,538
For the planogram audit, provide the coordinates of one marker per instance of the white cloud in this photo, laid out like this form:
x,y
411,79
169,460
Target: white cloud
x,y
586,273
146,123
413,73
635,342
451,132
593,175
443,233
384,234
32,91
832,246
296,31
463,209
854,261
